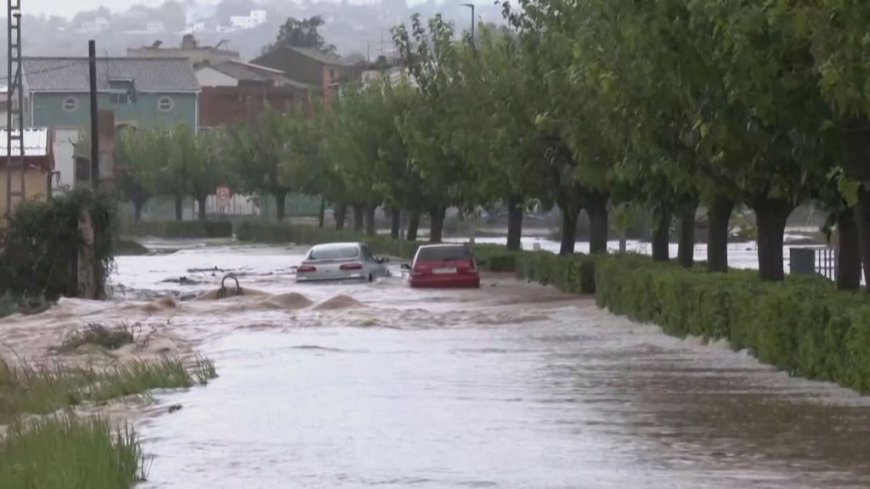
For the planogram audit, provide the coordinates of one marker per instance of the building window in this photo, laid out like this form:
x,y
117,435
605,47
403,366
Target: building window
x,y
70,104
120,98
165,104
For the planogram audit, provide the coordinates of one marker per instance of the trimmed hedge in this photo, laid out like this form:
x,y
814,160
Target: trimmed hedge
x,y
178,229
574,274
802,326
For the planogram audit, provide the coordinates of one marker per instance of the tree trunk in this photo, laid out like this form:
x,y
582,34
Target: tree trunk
x,y
370,220
395,224
770,216
358,212
137,209
179,208
686,252
596,209
413,226
515,224
570,214
718,220
280,202
321,215
200,202
340,213
862,218
436,228
848,252
661,246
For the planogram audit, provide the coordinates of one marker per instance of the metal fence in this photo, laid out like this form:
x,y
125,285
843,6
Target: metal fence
x,y
814,261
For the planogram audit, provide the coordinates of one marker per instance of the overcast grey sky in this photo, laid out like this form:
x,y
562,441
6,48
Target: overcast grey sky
x,y
68,8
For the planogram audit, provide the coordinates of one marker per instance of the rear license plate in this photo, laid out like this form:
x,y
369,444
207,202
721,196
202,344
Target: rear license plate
x,y
444,270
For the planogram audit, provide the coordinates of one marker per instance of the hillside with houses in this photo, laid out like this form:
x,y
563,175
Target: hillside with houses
x,y
357,31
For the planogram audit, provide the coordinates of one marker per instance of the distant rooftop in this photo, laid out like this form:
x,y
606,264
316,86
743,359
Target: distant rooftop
x,y
318,55
70,74
246,71
179,49
253,72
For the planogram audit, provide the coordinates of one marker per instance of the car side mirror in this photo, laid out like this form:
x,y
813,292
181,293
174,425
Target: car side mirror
x,y
406,266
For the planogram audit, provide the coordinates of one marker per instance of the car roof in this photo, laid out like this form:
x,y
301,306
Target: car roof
x,y
326,246
445,245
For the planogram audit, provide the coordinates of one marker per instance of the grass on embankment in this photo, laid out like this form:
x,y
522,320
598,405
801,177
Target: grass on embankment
x,y
46,389
70,453
67,452
110,338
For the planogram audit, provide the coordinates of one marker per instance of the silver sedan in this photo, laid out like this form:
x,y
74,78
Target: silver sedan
x,y
341,262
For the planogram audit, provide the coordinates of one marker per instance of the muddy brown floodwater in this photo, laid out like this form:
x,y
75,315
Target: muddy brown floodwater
x,y
512,386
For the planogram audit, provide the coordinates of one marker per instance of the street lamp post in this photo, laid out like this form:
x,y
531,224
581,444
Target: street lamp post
x,y
471,6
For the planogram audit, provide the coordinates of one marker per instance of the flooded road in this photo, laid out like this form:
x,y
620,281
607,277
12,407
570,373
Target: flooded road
x,y
511,386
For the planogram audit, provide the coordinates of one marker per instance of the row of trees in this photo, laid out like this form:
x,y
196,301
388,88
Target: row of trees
x,y
592,105
669,104
277,156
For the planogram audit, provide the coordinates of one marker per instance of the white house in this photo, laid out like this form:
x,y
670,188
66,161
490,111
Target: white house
x,y
259,16
97,25
253,19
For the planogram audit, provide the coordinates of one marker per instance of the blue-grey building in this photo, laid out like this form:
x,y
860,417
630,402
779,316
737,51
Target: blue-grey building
x,y
140,91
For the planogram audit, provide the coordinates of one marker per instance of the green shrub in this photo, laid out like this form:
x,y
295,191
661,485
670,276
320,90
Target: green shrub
x,y
802,326
178,229
39,257
496,258
575,274
110,338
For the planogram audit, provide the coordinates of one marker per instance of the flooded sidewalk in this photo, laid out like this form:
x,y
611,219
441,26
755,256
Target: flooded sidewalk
x,y
513,385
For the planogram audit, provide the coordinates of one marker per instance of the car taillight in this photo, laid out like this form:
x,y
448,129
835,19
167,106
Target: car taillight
x,y
306,269
351,266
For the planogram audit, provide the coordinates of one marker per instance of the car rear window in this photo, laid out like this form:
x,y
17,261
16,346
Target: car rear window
x,y
445,253
333,253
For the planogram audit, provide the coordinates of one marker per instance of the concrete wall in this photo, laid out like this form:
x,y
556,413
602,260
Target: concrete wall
x,y
48,110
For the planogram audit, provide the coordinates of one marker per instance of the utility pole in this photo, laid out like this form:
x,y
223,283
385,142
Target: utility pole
x,y
14,103
95,122
471,6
